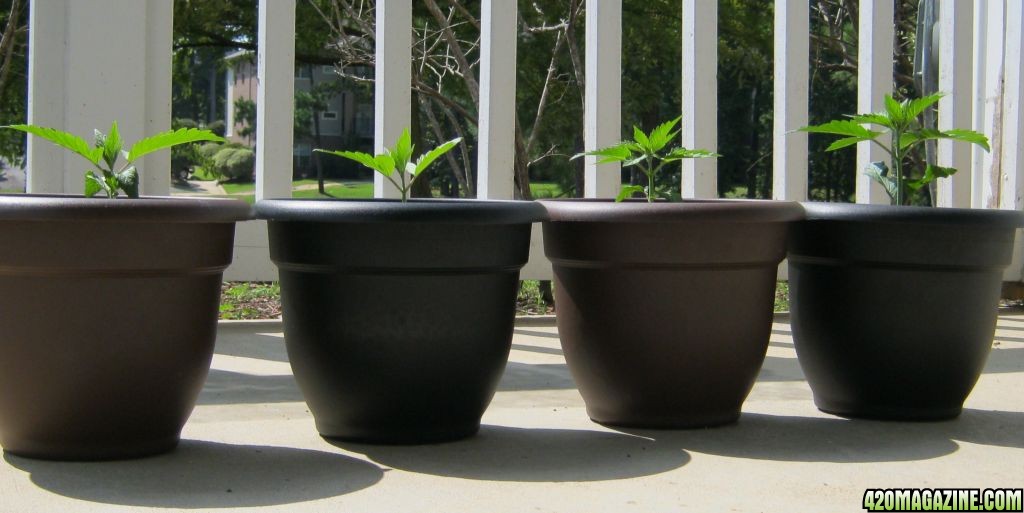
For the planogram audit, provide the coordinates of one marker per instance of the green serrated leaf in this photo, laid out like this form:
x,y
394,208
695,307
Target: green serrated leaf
x,y
684,153
642,140
627,191
879,172
873,119
111,184
968,136
616,153
63,139
93,184
363,158
663,134
128,181
915,107
633,161
845,127
168,139
112,146
896,111
385,164
429,157
931,173
844,142
402,152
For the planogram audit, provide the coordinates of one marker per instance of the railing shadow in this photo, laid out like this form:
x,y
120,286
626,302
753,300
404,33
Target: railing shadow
x,y
201,475
500,453
251,345
226,387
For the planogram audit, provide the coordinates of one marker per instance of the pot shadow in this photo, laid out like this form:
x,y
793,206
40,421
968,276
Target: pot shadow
x,y
500,453
226,387
839,440
201,475
989,427
812,439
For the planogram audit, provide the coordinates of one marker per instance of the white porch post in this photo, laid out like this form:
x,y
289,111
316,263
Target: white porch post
x,y
700,96
393,84
874,80
92,63
1012,148
274,98
988,90
792,54
955,48
496,151
603,95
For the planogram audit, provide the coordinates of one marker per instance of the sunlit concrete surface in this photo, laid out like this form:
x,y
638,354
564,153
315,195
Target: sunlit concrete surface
x,y
251,445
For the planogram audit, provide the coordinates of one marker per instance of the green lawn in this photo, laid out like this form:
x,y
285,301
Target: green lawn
x,y
246,191
198,173
11,191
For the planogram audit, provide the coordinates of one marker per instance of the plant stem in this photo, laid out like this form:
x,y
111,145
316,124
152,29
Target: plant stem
x,y
897,165
650,180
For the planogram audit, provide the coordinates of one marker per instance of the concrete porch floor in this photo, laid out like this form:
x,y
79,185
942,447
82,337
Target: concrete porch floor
x,y
251,445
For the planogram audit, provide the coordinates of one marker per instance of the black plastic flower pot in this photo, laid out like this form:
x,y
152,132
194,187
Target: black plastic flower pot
x,y
894,308
108,320
665,310
398,316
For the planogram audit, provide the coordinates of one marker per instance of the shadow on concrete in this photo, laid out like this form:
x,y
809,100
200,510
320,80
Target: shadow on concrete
x,y
813,439
777,368
990,427
537,349
535,333
837,440
535,376
251,345
500,453
226,387
1002,360
202,475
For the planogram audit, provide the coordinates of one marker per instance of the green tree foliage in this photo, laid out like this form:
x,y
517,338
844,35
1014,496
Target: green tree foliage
x,y
234,163
13,77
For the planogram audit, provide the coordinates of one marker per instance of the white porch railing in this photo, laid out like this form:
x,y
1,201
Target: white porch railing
x,y
110,59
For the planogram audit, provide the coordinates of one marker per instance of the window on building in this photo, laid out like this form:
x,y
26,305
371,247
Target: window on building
x,y
302,71
329,115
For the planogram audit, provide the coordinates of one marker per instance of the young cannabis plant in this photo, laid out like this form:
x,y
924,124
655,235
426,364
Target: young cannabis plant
x,y
901,121
396,162
647,151
104,152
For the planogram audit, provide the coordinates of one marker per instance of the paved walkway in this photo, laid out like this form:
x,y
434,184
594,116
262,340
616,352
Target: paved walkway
x,y
251,445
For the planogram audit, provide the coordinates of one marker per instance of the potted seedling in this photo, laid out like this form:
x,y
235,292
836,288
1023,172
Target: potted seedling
x,y
894,307
664,309
398,314
109,317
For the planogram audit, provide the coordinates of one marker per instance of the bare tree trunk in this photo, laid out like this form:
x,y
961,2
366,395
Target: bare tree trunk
x,y
8,42
421,187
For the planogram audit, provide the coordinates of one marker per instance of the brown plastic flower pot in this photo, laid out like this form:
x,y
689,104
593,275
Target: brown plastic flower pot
x,y
894,308
398,316
665,310
107,321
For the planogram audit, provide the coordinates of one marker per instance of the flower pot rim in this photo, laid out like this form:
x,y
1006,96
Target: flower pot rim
x,y
690,210
858,212
147,209
417,210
